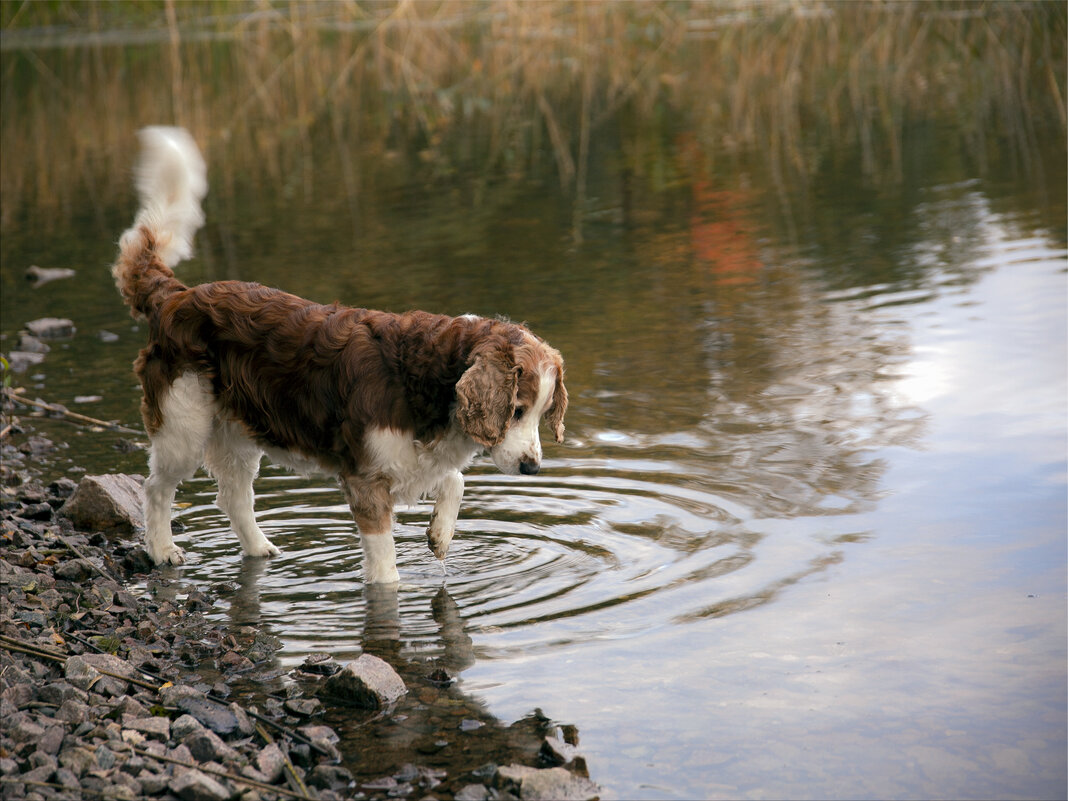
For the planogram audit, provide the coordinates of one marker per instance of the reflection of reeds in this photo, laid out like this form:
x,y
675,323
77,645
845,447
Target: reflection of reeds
x,y
270,86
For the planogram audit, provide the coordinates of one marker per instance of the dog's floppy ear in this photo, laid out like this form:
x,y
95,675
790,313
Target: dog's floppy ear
x,y
555,417
486,396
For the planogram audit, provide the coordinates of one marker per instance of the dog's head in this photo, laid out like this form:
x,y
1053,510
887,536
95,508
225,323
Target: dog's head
x,y
503,396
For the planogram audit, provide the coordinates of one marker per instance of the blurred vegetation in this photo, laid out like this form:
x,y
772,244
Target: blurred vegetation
x,y
424,88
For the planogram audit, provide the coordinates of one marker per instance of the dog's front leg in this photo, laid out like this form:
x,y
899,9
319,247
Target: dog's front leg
x,y
443,520
372,508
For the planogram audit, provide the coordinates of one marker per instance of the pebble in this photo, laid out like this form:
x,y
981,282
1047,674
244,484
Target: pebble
x,y
84,725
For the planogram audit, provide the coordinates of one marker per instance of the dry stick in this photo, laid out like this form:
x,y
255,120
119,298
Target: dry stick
x,y
80,418
85,558
11,644
233,777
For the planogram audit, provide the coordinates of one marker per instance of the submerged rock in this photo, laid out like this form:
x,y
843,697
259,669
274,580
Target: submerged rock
x,y
42,275
51,328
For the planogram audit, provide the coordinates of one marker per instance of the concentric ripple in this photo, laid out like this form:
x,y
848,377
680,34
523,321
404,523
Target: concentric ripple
x,y
593,549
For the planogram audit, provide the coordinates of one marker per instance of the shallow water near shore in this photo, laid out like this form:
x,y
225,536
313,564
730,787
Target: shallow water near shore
x,y
807,534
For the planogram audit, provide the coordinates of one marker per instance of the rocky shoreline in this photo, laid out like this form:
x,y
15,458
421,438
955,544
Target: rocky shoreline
x,y
111,693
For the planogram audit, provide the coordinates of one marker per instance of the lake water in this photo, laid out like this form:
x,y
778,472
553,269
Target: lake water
x,y
807,534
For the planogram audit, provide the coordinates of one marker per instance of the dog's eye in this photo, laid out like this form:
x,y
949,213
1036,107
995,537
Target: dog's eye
x,y
517,413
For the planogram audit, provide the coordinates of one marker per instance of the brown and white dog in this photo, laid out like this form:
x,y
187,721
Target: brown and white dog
x,y
394,405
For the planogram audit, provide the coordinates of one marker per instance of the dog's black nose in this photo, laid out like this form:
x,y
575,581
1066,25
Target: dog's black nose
x,y
528,468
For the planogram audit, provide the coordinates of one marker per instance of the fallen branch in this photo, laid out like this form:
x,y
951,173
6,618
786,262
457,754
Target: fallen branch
x,y
221,773
67,413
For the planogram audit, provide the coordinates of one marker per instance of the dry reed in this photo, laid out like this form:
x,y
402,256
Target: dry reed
x,y
273,88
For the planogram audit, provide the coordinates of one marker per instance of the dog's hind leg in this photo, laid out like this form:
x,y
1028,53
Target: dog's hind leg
x,y
234,460
176,451
372,507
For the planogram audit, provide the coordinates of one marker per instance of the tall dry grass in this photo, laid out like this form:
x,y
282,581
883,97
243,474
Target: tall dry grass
x,y
273,89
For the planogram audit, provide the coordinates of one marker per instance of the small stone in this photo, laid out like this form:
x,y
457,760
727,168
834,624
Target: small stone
x,y
470,725
217,718
303,707
184,726
105,758
233,660
59,691
367,682
192,785
152,783
51,740
75,570
154,728
84,673
23,730
206,746
271,762
66,777
472,792
329,777
77,759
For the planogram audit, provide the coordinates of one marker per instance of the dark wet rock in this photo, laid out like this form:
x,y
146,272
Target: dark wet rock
x,y
106,502
216,717
367,682
75,570
303,707
137,560
331,777
51,328
320,665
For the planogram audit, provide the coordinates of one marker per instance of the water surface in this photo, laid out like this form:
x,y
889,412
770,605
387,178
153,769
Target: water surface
x,y
806,536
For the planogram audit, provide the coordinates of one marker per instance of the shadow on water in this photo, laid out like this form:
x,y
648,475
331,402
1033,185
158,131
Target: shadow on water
x,y
805,264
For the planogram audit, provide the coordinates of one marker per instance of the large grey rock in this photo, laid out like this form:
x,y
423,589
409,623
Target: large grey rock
x,y
106,502
550,784
367,682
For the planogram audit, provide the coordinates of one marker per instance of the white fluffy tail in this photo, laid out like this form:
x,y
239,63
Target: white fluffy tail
x,y
171,180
